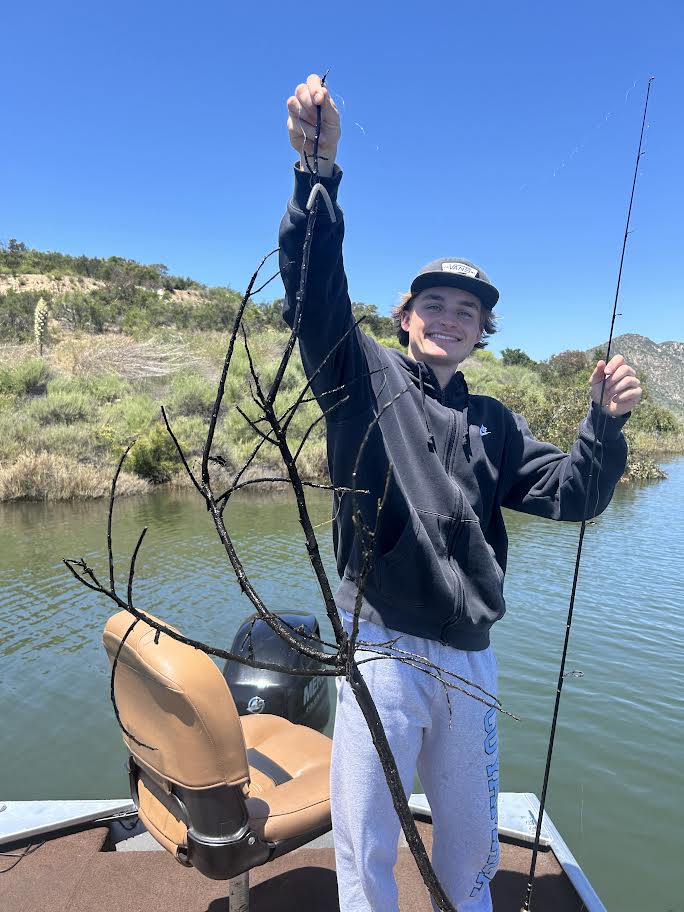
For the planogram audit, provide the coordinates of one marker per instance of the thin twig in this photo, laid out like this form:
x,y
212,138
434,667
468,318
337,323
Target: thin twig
x,y
110,553
224,372
113,697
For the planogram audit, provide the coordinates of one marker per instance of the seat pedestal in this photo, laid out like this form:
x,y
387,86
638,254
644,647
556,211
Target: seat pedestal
x,y
238,893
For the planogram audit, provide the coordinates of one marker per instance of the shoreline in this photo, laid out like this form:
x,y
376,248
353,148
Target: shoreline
x,y
67,416
129,485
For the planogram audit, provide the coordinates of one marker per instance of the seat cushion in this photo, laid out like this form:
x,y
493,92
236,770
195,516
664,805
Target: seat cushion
x,y
298,803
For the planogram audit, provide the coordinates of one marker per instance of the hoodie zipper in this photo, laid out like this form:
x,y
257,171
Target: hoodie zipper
x,y
455,429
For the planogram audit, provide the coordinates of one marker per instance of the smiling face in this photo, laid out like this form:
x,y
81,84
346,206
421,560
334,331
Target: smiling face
x,y
443,326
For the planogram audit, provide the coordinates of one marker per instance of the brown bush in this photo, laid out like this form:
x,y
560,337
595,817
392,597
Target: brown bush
x,y
46,476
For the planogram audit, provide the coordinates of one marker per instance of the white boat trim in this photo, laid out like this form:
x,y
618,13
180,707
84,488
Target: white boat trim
x,y
568,862
518,811
23,819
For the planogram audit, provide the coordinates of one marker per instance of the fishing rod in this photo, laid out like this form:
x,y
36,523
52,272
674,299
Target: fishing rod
x,y
561,673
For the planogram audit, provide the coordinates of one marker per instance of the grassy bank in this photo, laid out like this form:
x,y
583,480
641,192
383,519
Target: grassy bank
x,y
66,418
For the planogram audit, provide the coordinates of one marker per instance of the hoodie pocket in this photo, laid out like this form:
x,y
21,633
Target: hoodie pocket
x,y
415,573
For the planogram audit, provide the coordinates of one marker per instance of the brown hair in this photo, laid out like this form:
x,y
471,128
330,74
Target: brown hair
x,y
406,301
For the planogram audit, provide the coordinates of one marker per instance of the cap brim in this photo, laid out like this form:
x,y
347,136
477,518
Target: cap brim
x,y
487,293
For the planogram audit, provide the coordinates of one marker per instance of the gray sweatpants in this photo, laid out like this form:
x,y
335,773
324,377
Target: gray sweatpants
x,y
457,764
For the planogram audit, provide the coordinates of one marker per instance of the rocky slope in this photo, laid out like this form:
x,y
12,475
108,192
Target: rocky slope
x,y
660,364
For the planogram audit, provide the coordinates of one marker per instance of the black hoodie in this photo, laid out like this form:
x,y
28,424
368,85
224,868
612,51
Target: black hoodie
x,y
439,553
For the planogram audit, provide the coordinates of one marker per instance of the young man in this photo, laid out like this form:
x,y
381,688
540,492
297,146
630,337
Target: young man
x,y
440,548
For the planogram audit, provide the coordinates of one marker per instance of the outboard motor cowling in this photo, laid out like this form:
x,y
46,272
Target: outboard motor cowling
x,y
303,699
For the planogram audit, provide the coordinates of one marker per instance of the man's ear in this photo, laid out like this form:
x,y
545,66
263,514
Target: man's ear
x,y
405,319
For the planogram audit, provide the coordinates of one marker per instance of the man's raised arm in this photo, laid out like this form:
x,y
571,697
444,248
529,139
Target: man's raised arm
x,y
326,316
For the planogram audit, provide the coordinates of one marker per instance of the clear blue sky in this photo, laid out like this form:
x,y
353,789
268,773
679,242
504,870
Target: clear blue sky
x,y
502,132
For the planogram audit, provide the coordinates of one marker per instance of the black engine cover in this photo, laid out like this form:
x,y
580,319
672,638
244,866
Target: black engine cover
x,y
303,699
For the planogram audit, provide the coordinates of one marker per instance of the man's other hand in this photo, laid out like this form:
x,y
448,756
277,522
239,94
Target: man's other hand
x,y
301,123
623,388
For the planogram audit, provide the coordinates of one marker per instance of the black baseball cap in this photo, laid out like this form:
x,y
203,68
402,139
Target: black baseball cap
x,y
457,273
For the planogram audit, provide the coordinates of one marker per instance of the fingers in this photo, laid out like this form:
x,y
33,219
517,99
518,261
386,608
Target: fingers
x,y
316,88
606,370
615,362
301,128
615,370
598,373
308,96
621,383
622,389
623,402
627,390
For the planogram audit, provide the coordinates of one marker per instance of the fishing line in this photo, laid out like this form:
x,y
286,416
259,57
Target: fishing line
x,y
597,435
580,146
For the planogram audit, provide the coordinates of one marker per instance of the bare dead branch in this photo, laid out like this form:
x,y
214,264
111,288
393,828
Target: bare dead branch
x,y
313,424
267,282
285,417
224,372
312,548
68,562
390,645
110,554
439,673
259,400
112,695
257,430
284,480
131,572
180,452
222,500
316,372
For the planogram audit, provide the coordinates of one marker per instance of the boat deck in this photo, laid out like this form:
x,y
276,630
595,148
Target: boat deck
x,y
81,873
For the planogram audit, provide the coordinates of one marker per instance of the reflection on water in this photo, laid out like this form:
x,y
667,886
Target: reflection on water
x,y
615,788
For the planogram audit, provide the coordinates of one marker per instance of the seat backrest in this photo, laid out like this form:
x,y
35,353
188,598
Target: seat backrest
x,y
174,699
189,770
190,775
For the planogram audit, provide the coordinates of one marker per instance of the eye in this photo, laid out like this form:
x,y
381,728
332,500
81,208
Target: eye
x,y
466,314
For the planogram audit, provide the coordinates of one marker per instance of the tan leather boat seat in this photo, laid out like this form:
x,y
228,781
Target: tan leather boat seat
x,y
280,807
222,793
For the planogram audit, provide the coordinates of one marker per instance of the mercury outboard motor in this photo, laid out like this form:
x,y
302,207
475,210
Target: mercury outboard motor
x,y
303,699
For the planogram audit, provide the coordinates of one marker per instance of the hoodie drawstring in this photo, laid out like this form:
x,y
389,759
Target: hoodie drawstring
x,y
432,446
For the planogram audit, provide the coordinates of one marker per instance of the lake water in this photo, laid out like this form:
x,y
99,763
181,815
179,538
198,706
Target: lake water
x,y
616,783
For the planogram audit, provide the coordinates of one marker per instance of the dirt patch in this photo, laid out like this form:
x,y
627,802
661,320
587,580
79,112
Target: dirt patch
x,y
48,284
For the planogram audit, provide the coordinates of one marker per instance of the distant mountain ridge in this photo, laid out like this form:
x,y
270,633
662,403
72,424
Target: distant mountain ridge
x,y
661,364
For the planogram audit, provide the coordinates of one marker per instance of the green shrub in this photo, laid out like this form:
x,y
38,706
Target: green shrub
x,y
191,432
131,417
62,405
77,440
16,315
108,388
91,312
191,394
154,456
8,402
516,356
19,431
653,418
16,258
642,468
484,356
30,378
